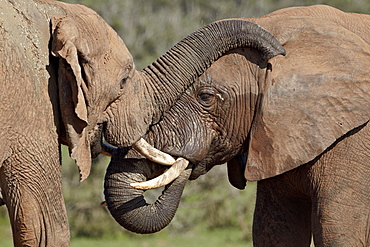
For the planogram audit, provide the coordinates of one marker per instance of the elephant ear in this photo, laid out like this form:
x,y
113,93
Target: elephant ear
x,y
70,48
235,168
312,97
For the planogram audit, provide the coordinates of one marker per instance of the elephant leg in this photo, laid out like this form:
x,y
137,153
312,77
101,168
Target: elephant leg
x,y
282,215
31,184
341,180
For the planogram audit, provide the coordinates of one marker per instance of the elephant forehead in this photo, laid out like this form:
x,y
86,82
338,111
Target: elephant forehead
x,y
99,37
227,68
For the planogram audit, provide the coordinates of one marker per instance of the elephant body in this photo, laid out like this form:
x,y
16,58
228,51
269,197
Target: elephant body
x,y
29,127
297,124
328,197
67,78
45,47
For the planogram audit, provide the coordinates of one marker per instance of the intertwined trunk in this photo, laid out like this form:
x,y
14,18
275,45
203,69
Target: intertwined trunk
x,y
128,206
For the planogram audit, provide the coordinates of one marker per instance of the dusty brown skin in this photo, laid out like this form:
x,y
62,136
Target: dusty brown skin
x,y
68,78
59,72
297,124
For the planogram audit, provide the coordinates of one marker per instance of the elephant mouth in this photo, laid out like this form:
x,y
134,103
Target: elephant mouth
x,y
176,165
98,145
95,139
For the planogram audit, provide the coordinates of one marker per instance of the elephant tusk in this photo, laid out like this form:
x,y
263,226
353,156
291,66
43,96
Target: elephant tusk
x,y
167,177
153,154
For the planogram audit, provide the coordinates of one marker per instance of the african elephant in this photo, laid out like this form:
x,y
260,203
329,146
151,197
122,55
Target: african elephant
x,y
64,73
297,124
47,100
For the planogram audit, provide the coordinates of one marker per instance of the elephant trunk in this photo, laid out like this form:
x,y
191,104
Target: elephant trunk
x,y
177,69
127,204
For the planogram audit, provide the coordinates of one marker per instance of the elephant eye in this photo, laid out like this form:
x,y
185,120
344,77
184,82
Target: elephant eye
x,y
123,82
126,71
206,96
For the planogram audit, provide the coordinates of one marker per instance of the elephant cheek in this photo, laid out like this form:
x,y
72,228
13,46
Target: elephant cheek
x,y
185,137
195,152
177,145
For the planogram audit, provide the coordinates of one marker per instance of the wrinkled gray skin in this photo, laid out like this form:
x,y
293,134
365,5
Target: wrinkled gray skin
x,y
67,78
297,124
124,171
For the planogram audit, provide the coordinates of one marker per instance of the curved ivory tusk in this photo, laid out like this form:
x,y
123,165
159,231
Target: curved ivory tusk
x,y
167,177
153,154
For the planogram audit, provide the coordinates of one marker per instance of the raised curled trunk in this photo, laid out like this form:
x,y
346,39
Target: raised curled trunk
x,y
128,206
155,89
177,69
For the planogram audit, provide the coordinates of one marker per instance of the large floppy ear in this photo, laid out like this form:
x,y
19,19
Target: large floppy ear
x,y
313,97
68,46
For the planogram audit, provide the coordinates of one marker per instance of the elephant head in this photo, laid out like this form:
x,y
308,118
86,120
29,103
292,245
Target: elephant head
x,y
93,65
261,116
148,94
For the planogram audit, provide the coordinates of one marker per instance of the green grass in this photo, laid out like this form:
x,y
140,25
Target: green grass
x,y
214,238
5,230
222,237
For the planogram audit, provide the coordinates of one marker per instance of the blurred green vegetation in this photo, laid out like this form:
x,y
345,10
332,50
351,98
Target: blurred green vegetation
x,y
212,212
150,27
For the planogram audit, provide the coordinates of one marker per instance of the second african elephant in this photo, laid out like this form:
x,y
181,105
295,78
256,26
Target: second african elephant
x,y
68,78
298,124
